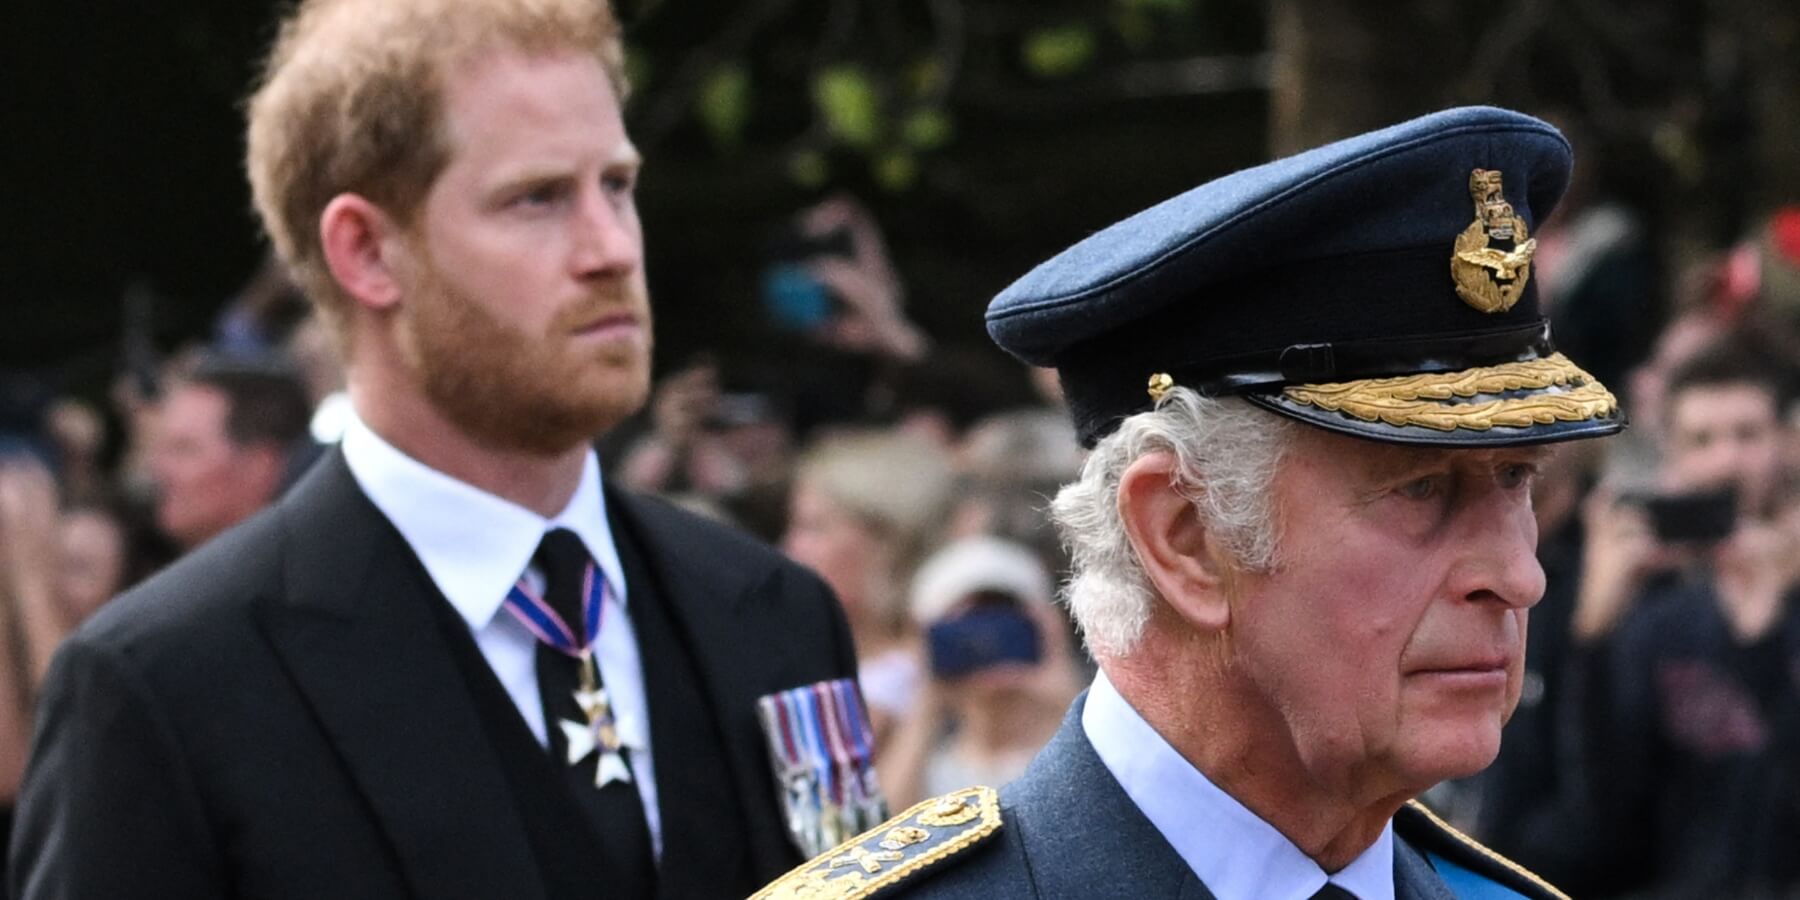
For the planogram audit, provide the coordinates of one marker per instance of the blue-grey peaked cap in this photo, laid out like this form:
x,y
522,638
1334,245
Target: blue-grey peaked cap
x,y
1325,268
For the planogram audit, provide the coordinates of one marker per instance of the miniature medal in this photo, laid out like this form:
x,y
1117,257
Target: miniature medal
x,y
599,733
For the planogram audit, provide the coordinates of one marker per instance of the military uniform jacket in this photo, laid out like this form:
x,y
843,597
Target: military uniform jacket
x,y
1066,829
279,715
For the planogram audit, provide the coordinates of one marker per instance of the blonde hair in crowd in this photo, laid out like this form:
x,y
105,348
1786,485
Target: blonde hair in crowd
x,y
898,487
351,101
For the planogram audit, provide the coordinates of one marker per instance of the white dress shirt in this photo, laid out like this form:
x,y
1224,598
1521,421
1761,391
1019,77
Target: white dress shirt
x,y
1236,854
475,546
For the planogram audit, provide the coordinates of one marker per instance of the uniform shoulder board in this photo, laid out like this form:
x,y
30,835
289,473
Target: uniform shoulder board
x,y
898,849
1471,869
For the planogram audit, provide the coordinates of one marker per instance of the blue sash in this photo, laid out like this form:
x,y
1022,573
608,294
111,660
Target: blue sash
x,y
1467,885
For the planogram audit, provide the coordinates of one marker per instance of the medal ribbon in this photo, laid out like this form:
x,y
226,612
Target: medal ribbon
x,y
820,743
529,608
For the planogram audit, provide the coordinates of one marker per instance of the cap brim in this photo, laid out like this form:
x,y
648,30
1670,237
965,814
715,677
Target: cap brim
x,y
1533,401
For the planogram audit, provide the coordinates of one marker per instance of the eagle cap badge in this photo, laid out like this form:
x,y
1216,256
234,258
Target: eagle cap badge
x,y
1492,258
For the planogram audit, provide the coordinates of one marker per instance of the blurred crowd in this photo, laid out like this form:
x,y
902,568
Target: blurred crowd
x,y
1656,751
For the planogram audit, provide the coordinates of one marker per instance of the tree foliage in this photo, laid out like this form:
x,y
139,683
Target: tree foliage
x,y
877,87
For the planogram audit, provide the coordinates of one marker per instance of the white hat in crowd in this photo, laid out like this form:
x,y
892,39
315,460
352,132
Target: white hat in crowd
x,y
976,564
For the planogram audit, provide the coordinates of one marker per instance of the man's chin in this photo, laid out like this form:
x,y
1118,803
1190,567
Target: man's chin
x,y
610,395
1459,756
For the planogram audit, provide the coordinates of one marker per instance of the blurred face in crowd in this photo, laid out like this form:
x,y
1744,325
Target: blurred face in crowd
x,y
1684,337
92,561
205,481
1724,434
837,544
1385,646
529,323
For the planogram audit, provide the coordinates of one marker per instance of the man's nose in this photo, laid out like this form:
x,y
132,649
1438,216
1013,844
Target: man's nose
x,y
606,240
1496,546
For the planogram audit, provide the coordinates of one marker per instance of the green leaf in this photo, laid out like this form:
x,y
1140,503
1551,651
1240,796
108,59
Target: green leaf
x,y
1059,51
926,129
724,105
846,100
925,76
1135,27
896,171
808,168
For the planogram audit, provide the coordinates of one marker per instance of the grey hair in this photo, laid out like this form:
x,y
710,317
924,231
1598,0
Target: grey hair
x,y
1226,453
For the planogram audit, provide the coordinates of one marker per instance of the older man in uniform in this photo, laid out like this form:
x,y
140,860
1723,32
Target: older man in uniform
x,y
1316,393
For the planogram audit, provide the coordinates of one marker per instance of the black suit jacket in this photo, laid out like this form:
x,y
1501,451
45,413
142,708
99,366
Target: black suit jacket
x,y
277,715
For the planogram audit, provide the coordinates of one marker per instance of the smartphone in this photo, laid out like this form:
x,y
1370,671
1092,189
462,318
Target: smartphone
x,y
982,638
1701,516
794,298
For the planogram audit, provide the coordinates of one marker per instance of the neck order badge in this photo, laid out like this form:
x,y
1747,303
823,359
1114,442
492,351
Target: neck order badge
x,y
599,732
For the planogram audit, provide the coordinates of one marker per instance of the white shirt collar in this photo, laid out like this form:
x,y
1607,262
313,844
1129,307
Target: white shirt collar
x,y
1232,851
473,544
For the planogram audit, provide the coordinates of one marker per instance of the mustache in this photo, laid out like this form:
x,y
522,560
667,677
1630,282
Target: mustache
x,y
609,299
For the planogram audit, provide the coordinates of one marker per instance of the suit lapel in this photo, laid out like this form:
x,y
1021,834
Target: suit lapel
x,y
732,651
357,636
1083,836
688,776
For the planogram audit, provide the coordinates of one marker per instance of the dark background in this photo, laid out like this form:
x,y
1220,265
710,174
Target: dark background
x,y
126,168
122,134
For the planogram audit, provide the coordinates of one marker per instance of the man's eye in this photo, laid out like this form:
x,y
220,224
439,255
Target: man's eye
x,y
542,195
620,183
1423,488
1516,475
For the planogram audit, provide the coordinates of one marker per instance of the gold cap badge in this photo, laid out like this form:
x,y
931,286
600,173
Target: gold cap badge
x,y
1492,260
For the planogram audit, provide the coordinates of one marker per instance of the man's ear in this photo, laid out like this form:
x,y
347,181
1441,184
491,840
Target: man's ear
x,y
360,243
1177,552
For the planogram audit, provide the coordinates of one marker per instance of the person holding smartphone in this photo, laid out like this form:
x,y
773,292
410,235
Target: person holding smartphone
x,y
1721,484
1688,650
999,670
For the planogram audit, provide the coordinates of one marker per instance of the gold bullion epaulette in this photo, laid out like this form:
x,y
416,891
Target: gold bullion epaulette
x,y
900,848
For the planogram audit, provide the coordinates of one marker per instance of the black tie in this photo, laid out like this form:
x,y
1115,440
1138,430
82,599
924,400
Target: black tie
x,y
1333,892
615,809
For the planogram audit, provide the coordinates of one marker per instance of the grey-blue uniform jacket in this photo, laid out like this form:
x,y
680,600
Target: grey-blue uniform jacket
x,y
1066,829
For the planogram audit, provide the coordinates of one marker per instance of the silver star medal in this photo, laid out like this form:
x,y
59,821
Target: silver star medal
x,y
597,733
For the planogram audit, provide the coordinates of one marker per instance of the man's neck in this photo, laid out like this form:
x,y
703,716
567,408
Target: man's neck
x,y
403,418
1254,762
